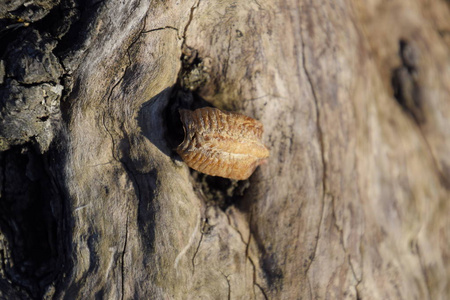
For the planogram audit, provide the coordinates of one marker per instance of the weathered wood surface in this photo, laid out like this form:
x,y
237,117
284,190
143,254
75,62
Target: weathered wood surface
x,y
353,202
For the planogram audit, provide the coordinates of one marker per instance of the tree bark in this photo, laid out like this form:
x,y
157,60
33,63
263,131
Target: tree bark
x,y
353,202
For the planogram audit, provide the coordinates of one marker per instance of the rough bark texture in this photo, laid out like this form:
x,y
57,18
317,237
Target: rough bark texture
x,y
353,202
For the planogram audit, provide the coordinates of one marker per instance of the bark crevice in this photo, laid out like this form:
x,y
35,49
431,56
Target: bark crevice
x,y
321,144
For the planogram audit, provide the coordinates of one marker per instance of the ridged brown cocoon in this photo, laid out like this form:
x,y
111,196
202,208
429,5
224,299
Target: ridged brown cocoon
x,y
220,143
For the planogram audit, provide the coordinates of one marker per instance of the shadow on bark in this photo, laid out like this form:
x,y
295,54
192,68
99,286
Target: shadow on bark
x,y
31,219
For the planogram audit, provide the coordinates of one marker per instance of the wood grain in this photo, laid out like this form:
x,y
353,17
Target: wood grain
x,y
353,204
220,143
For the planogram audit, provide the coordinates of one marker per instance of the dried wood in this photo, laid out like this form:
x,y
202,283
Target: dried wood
x,y
353,202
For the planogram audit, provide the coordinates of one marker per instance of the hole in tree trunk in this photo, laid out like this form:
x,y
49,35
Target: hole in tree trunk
x,y
28,203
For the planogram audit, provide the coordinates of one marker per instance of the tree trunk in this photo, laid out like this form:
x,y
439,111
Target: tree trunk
x,y
353,202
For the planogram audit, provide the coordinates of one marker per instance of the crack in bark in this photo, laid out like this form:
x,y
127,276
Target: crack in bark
x,y
191,17
189,244
358,296
254,279
321,143
195,253
228,283
358,189
358,281
249,237
324,177
199,242
262,290
354,273
164,28
108,100
127,169
247,245
225,68
118,160
341,239
251,260
237,230
123,257
138,192
131,174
